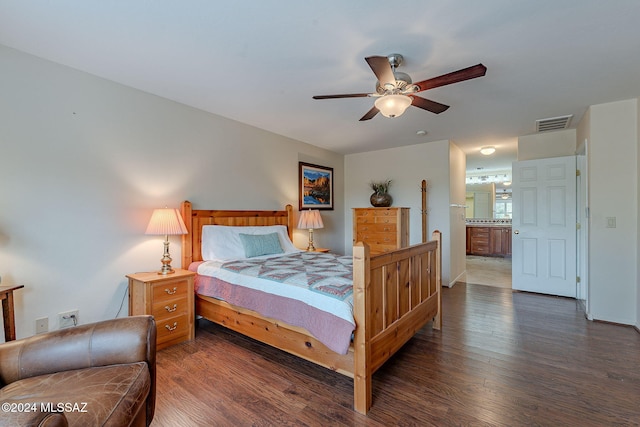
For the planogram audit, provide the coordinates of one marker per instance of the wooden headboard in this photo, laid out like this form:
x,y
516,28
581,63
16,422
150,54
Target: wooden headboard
x,y
195,219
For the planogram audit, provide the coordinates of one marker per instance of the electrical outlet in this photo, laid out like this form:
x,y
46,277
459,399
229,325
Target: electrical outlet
x,y
68,319
42,325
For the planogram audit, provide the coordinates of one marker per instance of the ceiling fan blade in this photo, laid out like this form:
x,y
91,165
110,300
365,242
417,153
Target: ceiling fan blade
x,y
382,69
426,104
453,77
344,95
370,114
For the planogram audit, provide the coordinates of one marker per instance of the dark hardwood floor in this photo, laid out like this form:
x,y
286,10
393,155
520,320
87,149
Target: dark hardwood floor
x,y
501,359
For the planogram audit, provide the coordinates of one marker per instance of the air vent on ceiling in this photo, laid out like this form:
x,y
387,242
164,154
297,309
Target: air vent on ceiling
x,y
554,123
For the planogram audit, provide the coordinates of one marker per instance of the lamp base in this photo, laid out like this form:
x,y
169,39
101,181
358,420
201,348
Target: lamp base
x,y
311,248
166,260
165,271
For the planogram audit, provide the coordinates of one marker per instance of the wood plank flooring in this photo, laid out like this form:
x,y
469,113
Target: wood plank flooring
x,y
501,359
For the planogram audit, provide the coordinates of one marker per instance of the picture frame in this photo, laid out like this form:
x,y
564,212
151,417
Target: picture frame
x,y
315,186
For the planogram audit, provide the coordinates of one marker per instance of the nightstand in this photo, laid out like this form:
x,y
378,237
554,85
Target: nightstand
x,y
169,298
323,250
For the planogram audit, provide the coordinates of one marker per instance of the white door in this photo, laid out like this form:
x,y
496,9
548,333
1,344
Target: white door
x,y
544,226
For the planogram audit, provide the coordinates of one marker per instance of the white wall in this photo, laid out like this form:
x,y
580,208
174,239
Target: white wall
x,y
407,167
613,192
84,161
457,221
547,144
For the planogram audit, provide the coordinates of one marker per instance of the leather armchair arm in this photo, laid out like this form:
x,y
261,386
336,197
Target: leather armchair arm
x,y
34,419
116,341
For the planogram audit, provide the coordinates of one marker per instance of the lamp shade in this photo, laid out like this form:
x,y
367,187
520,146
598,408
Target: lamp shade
x,y
392,105
166,222
310,220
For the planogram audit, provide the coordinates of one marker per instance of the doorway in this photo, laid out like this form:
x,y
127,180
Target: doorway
x,y
488,221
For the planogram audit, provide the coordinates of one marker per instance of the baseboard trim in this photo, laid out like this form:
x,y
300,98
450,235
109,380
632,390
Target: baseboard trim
x,y
460,278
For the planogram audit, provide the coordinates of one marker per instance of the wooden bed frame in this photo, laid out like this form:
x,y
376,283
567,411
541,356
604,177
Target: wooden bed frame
x,y
395,294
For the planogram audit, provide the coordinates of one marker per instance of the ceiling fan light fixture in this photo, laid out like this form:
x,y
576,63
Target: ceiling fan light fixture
x,y
392,105
487,151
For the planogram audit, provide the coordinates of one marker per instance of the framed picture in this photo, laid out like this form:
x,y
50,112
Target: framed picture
x,y
315,185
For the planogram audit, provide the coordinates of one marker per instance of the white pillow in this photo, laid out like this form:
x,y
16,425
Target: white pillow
x,y
222,242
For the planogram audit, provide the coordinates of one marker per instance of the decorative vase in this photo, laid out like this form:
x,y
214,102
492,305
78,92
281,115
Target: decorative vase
x,y
381,200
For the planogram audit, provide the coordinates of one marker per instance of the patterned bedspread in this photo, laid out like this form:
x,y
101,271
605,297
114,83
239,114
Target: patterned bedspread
x,y
308,289
325,273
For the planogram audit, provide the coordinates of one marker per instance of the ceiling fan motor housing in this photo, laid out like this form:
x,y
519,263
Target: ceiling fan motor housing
x,y
402,81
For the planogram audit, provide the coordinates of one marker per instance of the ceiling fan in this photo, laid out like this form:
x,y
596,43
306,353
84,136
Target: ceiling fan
x,y
395,91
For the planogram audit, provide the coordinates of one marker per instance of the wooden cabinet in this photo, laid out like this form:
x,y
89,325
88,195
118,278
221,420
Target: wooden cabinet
x,y
489,241
479,241
500,240
170,299
383,229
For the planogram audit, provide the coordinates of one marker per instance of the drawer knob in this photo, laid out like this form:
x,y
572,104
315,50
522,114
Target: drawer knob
x,y
171,309
171,291
172,328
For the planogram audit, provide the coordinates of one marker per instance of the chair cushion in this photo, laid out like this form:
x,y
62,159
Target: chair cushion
x,y
101,396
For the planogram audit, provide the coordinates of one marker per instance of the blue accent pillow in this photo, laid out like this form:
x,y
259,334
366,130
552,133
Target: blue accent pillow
x,y
260,244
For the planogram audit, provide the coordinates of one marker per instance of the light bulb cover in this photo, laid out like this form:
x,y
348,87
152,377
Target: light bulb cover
x,y
487,150
392,105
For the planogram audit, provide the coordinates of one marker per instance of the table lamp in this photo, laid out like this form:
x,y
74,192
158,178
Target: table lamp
x,y
310,220
166,222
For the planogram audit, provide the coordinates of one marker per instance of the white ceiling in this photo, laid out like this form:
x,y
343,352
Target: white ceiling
x,y
260,61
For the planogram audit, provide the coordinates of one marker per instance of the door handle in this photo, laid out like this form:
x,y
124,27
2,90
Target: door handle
x,y
516,231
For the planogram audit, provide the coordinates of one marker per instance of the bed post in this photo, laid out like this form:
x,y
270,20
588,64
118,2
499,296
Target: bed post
x,y
290,221
362,347
187,239
437,236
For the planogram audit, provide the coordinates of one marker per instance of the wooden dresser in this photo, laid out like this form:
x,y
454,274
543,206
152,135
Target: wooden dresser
x,y
170,299
383,229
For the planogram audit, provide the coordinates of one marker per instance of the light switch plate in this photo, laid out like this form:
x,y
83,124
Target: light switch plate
x,y
611,222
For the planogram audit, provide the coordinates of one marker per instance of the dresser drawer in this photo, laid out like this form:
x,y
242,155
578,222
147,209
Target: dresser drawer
x,y
378,248
378,228
168,291
377,220
377,238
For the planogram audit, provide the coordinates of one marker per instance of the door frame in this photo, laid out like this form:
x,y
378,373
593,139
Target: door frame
x,y
582,216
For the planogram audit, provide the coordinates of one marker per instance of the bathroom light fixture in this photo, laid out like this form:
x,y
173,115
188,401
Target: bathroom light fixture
x,y
487,150
392,105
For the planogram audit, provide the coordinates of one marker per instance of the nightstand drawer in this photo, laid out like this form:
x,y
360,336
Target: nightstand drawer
x,y
166,291
173,328
167,308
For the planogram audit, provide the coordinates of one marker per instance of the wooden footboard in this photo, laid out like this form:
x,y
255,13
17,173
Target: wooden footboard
x,y
395,294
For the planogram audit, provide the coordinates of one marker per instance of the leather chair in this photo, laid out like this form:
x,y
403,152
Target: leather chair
x,y
100,374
